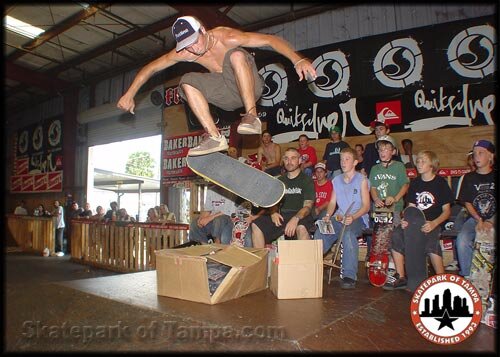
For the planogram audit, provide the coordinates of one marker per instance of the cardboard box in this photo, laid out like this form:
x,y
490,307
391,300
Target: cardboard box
x,y
297,271
183,273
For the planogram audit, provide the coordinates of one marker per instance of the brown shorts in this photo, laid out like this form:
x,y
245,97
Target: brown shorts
x,y
221,89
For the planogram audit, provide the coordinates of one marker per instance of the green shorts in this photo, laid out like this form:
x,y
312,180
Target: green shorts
x,y
221,89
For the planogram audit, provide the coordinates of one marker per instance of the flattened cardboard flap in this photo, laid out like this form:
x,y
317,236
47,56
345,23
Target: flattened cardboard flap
x,y
195,250
235,257
300,251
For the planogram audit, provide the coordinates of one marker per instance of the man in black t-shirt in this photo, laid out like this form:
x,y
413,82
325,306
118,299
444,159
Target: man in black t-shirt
x,y
331,157
292,215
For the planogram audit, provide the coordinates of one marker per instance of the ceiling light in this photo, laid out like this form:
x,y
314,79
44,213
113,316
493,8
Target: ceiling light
x,y
22,28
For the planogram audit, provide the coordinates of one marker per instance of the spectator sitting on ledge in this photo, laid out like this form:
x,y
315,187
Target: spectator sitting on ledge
x,y
99,215
87,212
123,216
152,215
21,209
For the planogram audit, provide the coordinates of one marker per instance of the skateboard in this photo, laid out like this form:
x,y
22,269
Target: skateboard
x,y
378,262
337,245
240,226
483,266
415,241
261,189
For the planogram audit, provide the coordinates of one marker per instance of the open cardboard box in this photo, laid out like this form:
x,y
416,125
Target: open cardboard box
x,y
182,273
297,271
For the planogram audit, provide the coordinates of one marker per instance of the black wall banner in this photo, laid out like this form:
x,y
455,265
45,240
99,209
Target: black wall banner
x,y
420,79
39,161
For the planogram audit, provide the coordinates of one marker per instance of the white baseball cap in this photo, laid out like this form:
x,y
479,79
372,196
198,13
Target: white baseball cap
x,y
320,165
185,31
386,138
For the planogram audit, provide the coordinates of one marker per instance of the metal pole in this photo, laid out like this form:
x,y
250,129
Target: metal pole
x,y
139,203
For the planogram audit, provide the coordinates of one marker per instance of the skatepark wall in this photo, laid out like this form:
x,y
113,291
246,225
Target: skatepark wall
x,y
451,145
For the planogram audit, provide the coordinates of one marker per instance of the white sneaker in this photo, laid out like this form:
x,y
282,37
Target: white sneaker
x,y
250,124
452,266
209,145
60,254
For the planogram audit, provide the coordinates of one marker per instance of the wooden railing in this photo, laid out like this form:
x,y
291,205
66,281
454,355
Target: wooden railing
x,y
123,246
31,233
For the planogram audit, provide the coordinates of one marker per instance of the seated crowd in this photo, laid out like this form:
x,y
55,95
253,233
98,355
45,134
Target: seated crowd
x,y
346,189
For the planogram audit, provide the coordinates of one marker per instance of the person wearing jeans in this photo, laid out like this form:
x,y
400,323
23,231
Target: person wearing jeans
x,y
215,219
351,197
479,196
59,216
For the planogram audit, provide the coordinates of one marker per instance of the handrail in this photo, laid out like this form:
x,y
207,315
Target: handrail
x,y
123,246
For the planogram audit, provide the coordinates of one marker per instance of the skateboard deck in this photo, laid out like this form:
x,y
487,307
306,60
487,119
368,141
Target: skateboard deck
x,y
254,185
483,266
240,227
415,241
338,246
378,263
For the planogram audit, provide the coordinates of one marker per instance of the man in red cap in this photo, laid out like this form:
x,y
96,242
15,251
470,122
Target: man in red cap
x,y
233,80
479,196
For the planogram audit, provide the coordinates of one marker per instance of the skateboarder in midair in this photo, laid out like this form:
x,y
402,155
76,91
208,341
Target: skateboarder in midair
x,y
233,80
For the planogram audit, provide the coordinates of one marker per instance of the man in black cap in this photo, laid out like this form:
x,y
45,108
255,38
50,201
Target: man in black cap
x,y
233,80
479,196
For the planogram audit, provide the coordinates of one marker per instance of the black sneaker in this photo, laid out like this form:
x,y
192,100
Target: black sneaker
x,y
347,283
395,283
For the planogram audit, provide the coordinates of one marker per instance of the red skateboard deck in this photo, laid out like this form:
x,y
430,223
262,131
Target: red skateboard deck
x,y
378,263
415,241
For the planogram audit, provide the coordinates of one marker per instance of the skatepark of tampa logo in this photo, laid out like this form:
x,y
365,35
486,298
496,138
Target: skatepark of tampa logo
x,y
446,309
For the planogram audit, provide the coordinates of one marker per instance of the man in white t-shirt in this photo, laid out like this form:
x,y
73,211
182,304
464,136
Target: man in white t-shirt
x,y
58,213
215,219
21,209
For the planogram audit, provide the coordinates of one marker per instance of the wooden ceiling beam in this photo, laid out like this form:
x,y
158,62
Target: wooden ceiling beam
x,y
57,30
116,43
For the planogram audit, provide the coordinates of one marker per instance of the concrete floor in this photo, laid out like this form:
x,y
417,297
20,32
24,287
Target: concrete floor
x,y
53,304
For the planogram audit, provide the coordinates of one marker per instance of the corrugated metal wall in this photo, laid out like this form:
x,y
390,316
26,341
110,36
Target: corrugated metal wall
x,y
367,20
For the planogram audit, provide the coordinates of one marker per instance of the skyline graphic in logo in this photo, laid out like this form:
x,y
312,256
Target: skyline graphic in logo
x,y
446,309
